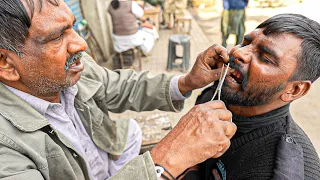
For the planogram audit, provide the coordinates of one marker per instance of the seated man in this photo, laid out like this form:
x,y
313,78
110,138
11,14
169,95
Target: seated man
x,y
126,33
274,65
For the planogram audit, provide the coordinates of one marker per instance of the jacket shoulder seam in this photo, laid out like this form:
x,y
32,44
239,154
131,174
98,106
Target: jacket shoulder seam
x,y
11,143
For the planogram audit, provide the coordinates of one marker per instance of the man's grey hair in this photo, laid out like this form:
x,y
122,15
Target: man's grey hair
x,y
15,23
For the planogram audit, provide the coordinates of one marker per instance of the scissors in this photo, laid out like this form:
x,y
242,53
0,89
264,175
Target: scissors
x,y
221,80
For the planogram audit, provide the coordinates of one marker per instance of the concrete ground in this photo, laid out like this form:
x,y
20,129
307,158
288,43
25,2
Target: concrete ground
x,y
205,32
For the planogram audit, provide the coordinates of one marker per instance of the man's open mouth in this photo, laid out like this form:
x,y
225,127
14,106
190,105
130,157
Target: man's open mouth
x,y
236,76
73,61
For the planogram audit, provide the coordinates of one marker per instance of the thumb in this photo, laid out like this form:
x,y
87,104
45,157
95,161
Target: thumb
x,y
216,73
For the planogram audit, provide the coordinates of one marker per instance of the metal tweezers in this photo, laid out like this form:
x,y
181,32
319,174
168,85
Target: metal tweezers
x,y
221,80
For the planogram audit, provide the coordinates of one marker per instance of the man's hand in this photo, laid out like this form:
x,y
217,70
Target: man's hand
x,y
206,69
147,24
204,132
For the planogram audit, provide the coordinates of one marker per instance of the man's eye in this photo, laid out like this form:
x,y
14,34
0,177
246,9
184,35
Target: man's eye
x,y
264,59
58,38
243,44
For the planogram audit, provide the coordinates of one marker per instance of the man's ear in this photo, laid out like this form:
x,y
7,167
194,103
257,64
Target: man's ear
x,y
7,70
295,90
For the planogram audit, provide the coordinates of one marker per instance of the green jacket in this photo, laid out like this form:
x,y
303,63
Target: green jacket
x,y
32,149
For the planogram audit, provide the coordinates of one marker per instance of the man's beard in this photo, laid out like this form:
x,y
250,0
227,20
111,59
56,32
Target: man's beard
x,y
251,97
44,86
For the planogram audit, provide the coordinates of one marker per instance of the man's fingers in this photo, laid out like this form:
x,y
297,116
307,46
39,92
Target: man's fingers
x,y
229,129
222,114
212,105
216,73
222,53
222,148
214,53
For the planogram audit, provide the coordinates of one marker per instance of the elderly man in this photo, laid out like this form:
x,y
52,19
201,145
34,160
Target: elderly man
x,y
54,103
274,65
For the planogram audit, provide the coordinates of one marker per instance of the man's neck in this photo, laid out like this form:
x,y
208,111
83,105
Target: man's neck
x,y
52,97
249,111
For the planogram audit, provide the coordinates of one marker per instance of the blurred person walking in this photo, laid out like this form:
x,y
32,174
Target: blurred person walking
x,y
232,20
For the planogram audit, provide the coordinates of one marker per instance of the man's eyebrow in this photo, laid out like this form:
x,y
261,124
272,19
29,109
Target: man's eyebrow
x,y
58,30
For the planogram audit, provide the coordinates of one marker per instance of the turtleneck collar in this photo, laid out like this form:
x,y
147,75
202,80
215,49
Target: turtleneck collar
x,y
247,124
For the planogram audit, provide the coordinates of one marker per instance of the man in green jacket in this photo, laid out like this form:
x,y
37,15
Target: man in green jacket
x,y
54,103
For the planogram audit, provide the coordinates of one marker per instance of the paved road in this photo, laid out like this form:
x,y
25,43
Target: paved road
x,y
306,111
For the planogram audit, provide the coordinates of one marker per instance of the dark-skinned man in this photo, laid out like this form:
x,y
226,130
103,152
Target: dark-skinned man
x,y
274,65
54,103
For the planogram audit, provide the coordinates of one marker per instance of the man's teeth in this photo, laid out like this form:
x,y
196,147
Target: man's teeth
x,y
233,80
238,75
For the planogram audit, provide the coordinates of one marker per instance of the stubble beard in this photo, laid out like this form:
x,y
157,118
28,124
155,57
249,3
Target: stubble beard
x,y
43,86
254,96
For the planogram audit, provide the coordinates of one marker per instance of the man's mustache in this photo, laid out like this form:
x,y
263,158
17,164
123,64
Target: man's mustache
x,y
237,67
72,59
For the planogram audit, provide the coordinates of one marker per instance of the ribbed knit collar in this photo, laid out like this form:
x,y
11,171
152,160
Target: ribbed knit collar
x,y
247,124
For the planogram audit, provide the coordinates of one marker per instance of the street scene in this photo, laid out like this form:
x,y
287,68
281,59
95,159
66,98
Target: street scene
x,y
159,89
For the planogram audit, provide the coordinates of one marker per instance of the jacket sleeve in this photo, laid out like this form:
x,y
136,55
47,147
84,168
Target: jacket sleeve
x,y
17,166
140,167
123,90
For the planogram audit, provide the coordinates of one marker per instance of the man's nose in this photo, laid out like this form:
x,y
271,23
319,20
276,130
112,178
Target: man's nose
x,y
76,44
243,54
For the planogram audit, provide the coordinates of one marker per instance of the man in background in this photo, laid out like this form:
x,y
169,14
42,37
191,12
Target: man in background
x,y
233,19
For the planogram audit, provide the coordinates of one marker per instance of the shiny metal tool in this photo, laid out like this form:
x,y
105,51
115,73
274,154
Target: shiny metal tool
x,y
221,80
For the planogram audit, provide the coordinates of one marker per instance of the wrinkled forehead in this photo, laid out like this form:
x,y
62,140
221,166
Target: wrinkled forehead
x,y
47,13
44,8
36,5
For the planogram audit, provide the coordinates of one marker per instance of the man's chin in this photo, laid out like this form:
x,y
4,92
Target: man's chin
x,y
70,81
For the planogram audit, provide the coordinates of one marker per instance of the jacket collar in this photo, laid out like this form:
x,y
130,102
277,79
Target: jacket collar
x,y
26,118
19,112
87,88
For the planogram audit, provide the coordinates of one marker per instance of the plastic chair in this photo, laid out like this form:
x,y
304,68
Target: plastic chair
x,y
174,40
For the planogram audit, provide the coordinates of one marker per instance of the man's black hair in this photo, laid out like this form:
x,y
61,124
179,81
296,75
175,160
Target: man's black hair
x,y
115,4
308,63
15,23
